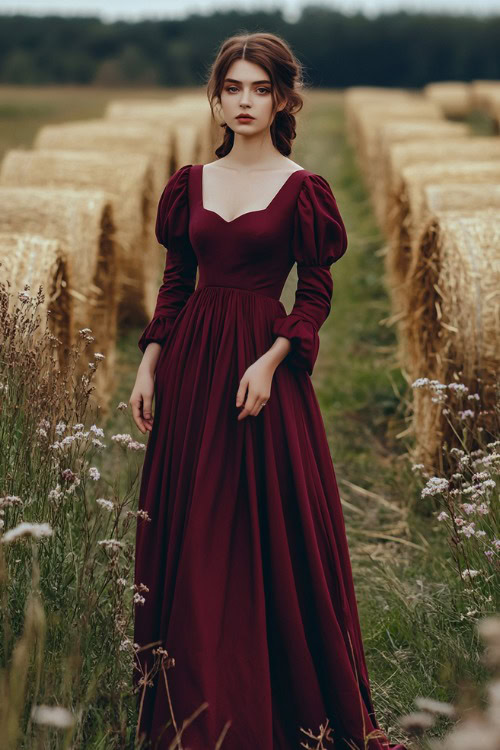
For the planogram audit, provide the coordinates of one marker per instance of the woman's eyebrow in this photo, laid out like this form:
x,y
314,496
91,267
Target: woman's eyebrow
x,y
235,80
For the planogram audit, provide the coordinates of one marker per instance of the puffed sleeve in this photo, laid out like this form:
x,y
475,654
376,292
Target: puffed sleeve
x,y
179,277
319,240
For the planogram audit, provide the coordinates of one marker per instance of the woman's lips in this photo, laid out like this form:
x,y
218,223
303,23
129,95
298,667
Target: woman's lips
x,y
245,118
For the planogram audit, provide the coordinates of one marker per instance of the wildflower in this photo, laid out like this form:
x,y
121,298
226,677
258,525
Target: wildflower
x,y
56,493
34,530
138,599
466,413
9,500
105,503
68,475
122,405
469,507
417,467
468,530
435,707
84,331
97,430
458,387
94,473
110,543
98,443
60,427
99,356
42,432
79,426
67,441
135,445
121,581
122,439
54,716
467,573
434,486
442,515
417,722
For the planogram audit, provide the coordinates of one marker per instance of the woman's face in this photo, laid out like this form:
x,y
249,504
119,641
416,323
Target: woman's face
x,y
247,89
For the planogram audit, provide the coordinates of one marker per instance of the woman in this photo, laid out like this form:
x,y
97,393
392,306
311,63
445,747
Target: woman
x,y
244,561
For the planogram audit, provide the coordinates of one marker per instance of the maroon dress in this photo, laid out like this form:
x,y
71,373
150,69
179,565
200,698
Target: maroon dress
x,y
246,557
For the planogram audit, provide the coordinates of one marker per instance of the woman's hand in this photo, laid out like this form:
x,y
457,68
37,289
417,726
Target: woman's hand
x,y
141,400
255,386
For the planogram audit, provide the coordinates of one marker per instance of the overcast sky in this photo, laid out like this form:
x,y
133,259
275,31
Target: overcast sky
x,y
136,9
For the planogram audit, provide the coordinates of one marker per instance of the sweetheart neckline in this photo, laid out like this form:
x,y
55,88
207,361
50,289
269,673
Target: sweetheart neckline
x,y
246,213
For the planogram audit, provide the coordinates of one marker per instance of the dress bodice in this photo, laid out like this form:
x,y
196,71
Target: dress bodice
x,y
252,251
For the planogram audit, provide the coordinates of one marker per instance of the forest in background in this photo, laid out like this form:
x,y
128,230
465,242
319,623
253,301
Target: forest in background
x,y
337,50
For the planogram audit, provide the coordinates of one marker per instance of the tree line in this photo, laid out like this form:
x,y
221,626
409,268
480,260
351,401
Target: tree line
x,y
336,50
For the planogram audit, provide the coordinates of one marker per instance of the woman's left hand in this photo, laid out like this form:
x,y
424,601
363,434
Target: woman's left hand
x,y
255,385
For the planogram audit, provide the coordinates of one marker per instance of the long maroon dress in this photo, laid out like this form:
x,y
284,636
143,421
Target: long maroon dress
x,y
246,557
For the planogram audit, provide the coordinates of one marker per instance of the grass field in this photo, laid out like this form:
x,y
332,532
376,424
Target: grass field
x,y
417,642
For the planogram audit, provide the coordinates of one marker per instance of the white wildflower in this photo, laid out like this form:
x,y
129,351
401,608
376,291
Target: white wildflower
x,y
34,530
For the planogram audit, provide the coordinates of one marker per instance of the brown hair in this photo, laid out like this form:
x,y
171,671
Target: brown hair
x,y
273,54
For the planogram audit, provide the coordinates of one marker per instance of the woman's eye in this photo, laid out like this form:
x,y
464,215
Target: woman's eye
x,y
260,88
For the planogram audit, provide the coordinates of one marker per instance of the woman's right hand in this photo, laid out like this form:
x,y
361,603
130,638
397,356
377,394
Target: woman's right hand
x,y
141,399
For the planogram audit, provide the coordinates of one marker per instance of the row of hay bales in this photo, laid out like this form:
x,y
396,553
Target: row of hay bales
x,y
458,99
77,214
435,190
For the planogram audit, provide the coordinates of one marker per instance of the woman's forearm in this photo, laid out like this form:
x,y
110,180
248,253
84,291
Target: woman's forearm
x,y
278,351
150,358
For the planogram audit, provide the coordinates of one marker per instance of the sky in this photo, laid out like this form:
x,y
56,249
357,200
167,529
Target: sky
x,y
111,10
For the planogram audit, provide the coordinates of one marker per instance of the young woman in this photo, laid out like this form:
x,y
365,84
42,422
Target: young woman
x,y
245,560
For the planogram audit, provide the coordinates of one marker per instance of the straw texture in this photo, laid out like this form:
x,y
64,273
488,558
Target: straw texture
x,y
113,137
38,261
453,97
82,221
129,181
453,322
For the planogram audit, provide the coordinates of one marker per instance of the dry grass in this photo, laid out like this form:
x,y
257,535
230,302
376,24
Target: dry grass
x,y
28,259
82,221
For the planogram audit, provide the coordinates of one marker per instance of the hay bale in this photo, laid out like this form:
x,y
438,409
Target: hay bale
x,y
188,118
391,133
453,97
407,212
35,260
453,196
82,221
113,137
453,327
403,154
482,93
129,181
371,115
354,96
407,206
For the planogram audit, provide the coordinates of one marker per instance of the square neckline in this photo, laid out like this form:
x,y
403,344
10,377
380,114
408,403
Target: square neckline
x,y
246,213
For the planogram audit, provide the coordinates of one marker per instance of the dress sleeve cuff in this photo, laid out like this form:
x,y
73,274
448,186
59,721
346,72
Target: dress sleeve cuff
x,y
156,331
303,338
